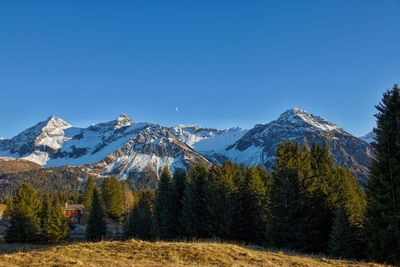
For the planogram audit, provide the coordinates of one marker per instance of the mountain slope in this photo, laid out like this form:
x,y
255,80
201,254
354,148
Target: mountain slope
x,y
369,137
259,145
11,165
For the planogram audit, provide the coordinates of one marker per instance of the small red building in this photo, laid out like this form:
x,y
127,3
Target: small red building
x,y
74,213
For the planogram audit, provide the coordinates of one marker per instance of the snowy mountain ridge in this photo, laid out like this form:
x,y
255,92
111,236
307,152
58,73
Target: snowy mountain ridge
x,y
127,149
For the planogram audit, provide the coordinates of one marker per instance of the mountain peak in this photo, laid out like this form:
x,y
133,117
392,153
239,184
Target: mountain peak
x,y
299,116
123,120
55,121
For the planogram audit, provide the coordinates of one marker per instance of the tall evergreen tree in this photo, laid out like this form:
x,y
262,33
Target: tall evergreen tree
x,y
140,220
342,240
253,207
55,226
195,220
383,189
164,207
289,208
319,188
44,212
222,199
96,226
112,192
179,180
24,216
87,194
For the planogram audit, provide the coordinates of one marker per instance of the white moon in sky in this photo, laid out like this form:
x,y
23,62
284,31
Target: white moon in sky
x,y
176,109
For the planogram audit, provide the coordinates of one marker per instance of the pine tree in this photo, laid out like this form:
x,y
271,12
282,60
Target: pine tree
x,y
342,241
44,213
288,202
140,220
113,198
55,227
318,186
96,225
383,189
88,194
221,200
164,213
195,220
24,216
179,180
253,207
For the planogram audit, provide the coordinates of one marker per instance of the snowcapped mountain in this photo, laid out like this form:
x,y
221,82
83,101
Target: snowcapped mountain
x,y
36,143
259,145
120,147
369,137
208,141
127,149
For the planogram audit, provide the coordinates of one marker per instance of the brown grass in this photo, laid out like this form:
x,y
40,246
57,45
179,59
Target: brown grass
x,y
140,253
8,165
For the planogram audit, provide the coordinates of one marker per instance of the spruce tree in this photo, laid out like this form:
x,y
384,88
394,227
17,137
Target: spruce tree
x,y
383,189
112,192
253,207
342,241
44,213
195,220
140,220
24,216
288,205
96,226
55,227
164,207
88,194
179,180
221,200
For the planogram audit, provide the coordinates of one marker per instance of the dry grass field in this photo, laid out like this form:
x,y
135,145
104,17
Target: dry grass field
x,y
140,253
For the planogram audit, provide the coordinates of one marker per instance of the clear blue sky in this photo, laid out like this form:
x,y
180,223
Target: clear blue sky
x,y
222,63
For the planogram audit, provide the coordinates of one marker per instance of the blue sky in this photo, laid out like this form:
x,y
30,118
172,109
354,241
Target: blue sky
x,y
222,63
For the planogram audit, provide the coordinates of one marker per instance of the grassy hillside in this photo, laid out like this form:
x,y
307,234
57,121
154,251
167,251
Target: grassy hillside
x,y
8,165
140,253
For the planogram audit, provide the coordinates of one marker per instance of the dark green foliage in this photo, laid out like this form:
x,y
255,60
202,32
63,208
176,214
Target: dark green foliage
x,y
164,219
307,189
112,192
64,180
196,218
342,239
288,199
221,200
253,212
383,189
55,226
88,194
139,222
179,180
24,216
96,225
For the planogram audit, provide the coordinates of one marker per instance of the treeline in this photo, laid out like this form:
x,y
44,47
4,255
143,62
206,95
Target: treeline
x,y
295,206
65,180
36,217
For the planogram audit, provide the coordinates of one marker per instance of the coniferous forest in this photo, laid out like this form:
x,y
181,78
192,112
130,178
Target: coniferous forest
x,y
305,203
